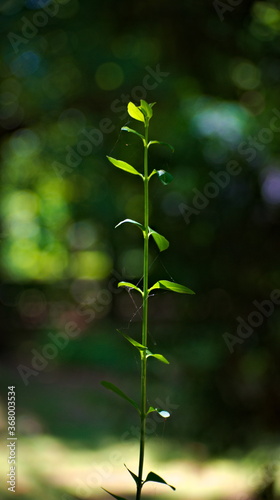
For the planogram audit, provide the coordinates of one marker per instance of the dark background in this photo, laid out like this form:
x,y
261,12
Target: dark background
x,y
217,95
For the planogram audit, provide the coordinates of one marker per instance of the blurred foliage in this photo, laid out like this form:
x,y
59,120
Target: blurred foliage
x,y
66,79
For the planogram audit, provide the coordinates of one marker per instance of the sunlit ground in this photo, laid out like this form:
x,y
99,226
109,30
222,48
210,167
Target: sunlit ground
x,y
73,440
51,469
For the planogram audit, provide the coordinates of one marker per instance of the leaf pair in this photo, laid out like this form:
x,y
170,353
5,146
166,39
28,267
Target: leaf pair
x,y
150,143
121,394
163,176
144,350
142,113
160,285
160,240
151,477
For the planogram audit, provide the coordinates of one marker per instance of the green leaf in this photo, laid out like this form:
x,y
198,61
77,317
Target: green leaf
x,y
146,109
162,413
131,221
152,173
132,131
116,390
162,143
160,240
157,479
141,347
164,177
157,356
124,166
115,496
136,478
129,285
135,112
151,409
173,287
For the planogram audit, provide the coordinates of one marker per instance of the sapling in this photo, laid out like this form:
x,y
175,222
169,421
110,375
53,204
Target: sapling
x,y
143,114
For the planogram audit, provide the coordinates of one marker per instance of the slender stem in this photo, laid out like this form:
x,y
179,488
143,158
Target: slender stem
x,y
145,317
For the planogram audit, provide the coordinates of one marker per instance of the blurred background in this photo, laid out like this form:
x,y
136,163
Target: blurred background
x,y
68,69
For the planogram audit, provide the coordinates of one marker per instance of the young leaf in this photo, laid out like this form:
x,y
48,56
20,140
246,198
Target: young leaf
x,y
162,143
160,240
136,478
131,221
130,285
141,347
115,496
127,129
157,479
152,173
162,413
173,287
124,166
135,112
164,177
147,110
116,390
157,356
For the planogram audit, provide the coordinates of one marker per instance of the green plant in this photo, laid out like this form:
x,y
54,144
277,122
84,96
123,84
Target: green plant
x,y
144,113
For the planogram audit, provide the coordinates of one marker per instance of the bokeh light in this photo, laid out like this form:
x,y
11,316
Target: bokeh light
x,y
71,121
32,303
82,235
90,264
267,14
254,101
25,64
226,121
271,186
36,4
245,75
109,76
131,263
